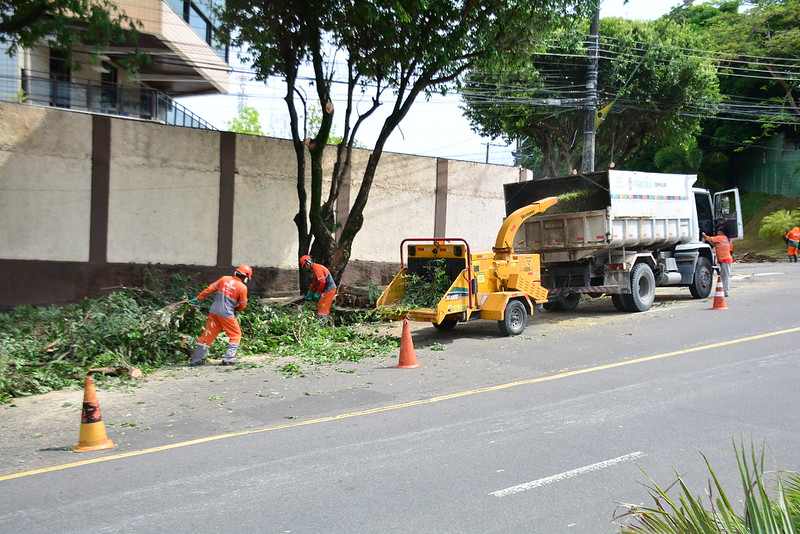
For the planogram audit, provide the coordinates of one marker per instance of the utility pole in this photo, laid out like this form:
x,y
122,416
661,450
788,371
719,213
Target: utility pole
x,y
487,149
242,94
591,91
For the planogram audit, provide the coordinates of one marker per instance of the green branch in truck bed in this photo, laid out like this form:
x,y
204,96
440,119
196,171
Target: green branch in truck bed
x,y
589,199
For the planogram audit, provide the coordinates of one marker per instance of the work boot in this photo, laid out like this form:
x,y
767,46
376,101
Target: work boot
x,y
230,352
198,356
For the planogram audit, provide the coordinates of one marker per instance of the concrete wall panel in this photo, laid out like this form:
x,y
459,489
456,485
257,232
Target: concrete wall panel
x,y
164,199
401,204
45,178
265,203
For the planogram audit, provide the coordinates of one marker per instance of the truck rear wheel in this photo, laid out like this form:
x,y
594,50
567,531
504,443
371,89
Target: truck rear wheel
x,y
643,288
514,320
620,303
700,287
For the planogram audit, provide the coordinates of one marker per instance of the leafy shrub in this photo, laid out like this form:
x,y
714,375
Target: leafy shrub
x,y
778,223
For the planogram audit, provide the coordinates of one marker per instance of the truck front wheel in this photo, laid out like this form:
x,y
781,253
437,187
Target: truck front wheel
x,y
643,288
514,320
700,287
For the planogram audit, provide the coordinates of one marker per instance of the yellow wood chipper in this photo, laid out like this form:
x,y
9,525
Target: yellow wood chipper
x,y
498,285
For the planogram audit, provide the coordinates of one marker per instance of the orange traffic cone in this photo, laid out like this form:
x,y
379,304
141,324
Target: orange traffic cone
x,y
408,356
93,430
719,297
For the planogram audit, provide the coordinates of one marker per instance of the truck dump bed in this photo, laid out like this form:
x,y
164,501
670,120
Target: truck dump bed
x,y
603,211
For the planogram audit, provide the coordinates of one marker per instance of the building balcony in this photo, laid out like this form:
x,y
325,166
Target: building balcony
x,y
124,101
178,35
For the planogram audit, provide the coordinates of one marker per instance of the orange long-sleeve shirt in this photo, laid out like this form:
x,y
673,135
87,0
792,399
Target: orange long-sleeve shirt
x,y
323,280
231,296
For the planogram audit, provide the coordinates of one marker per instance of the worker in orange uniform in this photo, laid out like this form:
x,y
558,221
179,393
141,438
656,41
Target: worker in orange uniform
x,y
724,248
322,288
792,240
231,296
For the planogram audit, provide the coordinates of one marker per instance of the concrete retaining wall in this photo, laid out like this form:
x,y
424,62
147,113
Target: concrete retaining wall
x,y
88,202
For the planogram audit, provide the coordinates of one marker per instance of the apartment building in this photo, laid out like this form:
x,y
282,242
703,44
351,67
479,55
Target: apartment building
x,y
187,59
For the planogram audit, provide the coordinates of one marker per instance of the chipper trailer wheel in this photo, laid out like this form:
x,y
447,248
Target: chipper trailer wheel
x,y
446,324
515,319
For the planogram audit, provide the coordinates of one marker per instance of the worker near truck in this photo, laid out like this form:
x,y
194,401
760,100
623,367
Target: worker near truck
x,y
322,288
792,241
231,296
724,248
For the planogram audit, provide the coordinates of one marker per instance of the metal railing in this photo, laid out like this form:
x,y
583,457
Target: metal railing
x,y
137,102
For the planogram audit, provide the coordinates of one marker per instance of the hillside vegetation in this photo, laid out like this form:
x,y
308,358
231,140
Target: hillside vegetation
x,y
755,206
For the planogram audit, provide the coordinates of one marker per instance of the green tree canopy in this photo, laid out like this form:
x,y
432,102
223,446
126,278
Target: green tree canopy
x,y
64,23
656,92
387,52
247,122
757,47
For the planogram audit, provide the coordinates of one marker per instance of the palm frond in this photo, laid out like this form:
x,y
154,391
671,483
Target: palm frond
x,y
762,512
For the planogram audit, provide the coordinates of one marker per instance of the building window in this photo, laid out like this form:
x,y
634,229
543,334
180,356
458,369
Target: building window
x,y
60,76
199,15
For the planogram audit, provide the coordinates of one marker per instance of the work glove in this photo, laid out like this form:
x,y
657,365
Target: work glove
x,y
194,301
309,295
317,296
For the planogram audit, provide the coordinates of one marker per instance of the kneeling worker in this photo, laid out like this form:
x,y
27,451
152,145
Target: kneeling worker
x,y
231,297
322,287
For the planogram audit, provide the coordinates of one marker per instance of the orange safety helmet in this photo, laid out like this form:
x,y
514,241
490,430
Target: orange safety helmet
x,y
245,271
305,260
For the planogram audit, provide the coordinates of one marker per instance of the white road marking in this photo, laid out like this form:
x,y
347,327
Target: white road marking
x,y
567,474
752,275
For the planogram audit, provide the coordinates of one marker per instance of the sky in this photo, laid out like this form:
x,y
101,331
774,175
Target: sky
x,y
434,128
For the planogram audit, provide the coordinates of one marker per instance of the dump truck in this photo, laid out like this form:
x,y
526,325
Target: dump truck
x,y
623,233
500,285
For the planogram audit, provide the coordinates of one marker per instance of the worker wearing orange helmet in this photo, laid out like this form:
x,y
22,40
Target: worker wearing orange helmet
x,y
322,288
231,296
792,240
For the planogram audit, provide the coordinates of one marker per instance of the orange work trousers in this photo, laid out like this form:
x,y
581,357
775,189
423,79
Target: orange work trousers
x,y
216,324
325,302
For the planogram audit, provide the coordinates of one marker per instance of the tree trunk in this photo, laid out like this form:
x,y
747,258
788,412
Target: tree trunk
x,y
300,220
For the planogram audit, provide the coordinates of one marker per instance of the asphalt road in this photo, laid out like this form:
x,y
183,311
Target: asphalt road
x,y
546,432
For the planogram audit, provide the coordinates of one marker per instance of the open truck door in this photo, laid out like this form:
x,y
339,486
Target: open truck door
x,y
728,214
